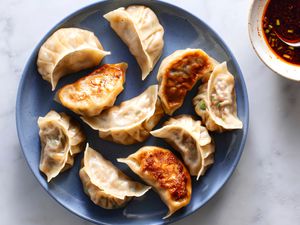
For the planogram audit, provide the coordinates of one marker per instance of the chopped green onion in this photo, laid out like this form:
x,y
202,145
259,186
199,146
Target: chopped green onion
x,y
202,105
272,44
267,31
85,190
219,104
278,22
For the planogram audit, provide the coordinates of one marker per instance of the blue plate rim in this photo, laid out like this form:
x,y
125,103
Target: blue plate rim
x,y
220,41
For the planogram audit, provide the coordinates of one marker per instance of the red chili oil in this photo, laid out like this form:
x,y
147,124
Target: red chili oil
x,y
282,18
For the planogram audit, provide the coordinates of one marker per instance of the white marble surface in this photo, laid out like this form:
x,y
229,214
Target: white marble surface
x,y
265,188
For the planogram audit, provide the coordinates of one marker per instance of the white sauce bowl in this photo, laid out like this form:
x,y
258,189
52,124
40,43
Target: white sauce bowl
x,y
261,47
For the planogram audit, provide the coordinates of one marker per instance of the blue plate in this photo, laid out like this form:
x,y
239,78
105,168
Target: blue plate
x,y
35,98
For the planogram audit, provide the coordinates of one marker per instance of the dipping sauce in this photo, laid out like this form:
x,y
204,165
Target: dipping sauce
x,y
282,18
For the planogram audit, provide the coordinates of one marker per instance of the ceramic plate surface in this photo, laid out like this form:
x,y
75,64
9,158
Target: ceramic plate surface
x,y
35,98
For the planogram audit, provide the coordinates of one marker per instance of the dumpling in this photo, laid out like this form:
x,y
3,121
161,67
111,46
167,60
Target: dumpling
x,y
161,169
200,103
91,94
61,138
131,121
105,184
216,101
192,141
141,31
178,73
66,51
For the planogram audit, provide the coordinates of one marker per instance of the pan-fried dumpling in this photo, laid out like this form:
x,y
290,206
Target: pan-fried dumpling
x,y
131,121
192,141
216,101
91,94
161,169
141,31
66,51
61,138
178,73
105,184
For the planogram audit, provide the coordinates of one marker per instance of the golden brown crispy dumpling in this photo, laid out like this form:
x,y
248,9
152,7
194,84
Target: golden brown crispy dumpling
x,y
105,184
66,51
178,73
91,94
131,121
61,138
141,31
216,101
191,139
161,169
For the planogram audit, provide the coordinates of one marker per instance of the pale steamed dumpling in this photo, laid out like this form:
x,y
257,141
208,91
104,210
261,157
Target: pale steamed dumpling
x,y
216,101
105,184
66,51
141,31
131,121
191,139
61,138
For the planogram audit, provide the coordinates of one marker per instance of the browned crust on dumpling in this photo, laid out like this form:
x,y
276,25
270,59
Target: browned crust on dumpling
x,y
164,167
182,75
95,89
